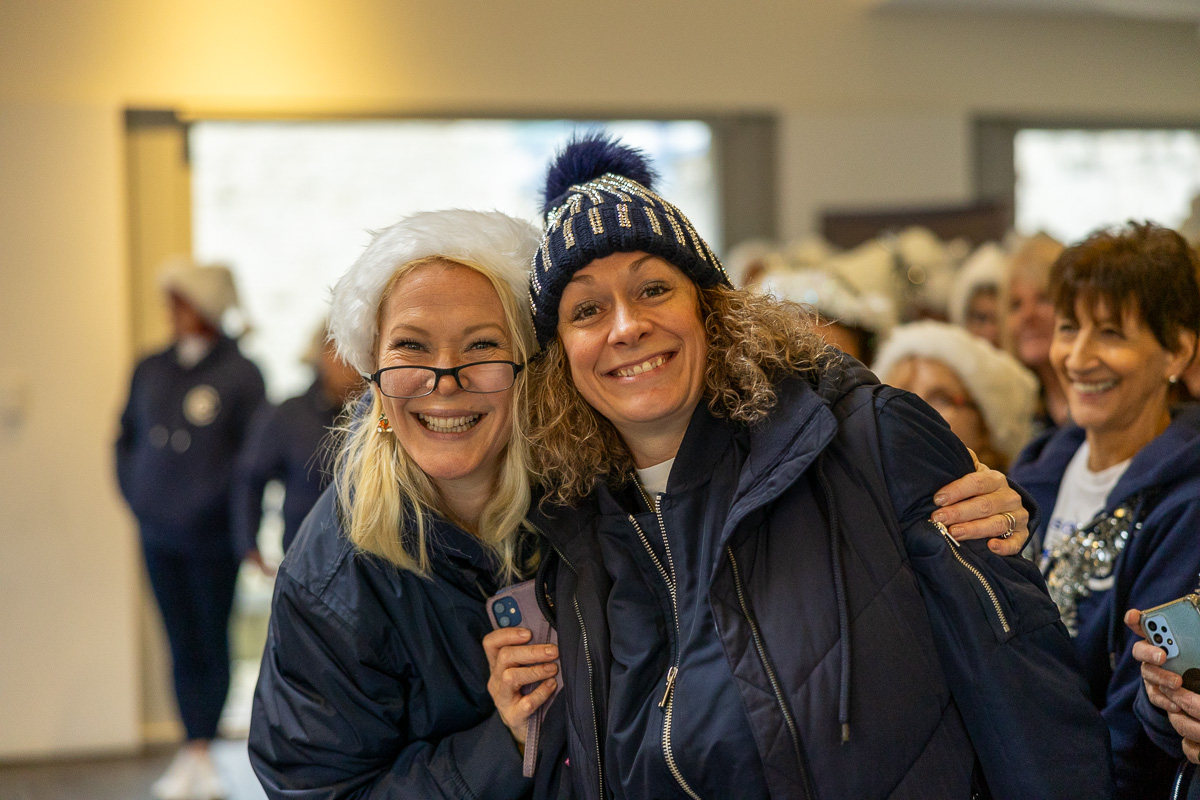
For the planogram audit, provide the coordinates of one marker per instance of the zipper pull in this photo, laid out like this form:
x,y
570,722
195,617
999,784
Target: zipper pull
x,y
671,673
946,533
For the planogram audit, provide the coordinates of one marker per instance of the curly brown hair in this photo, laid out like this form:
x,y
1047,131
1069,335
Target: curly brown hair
x,y
753,342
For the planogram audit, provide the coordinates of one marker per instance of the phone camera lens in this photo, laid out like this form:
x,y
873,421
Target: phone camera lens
x,y
1158,638
498,607
1152,626
504,622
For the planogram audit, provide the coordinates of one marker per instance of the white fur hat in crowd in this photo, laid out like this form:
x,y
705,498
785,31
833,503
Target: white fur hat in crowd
x,y
1004,391
833,298
208,288
986,267
487,238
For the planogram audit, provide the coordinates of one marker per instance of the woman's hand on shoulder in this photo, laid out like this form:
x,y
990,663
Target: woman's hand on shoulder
x,y
975,507
514,665
1165,689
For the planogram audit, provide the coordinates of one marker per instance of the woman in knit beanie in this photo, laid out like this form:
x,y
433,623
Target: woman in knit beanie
x,y
743,559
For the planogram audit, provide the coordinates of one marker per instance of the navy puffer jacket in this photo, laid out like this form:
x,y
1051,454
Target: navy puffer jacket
x,y
863,653
374,679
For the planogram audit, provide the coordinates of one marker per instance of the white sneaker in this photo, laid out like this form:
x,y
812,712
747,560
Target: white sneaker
x,y
206,783
176,782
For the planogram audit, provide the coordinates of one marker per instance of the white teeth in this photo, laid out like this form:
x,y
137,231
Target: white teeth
x,y
449,424
645,366
1093,388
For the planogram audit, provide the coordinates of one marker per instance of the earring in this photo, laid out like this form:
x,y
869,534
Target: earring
x,y
384,426
1174,379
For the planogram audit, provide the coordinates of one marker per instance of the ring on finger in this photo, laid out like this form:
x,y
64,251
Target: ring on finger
x,y
1012,524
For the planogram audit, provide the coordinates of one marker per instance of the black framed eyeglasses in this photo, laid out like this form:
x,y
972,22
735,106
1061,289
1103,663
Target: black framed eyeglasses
x,y
479,377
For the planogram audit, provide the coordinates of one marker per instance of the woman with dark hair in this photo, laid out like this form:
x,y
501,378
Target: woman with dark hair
x,y
1122,483
751,596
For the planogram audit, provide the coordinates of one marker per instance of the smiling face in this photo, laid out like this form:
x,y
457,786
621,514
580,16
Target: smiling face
x,y
443,315
1114,370
1031,320
630,327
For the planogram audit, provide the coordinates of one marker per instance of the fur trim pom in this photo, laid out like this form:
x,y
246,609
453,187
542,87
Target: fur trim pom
x,y
587,157
487,238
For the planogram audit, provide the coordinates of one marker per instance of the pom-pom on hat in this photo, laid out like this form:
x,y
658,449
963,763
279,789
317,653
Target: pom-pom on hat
x,y
599,200
488,239
1004,391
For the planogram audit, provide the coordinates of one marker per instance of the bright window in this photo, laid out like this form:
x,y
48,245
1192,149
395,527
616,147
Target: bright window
x,y
1071,182
290,204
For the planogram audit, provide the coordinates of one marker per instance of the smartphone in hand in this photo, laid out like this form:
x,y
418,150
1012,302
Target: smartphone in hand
x,y
1175,627
517,607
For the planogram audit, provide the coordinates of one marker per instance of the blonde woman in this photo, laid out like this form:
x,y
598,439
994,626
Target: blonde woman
x,y
752,598
373,682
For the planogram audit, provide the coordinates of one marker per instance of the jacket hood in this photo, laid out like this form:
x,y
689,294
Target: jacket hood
x,y
1171,457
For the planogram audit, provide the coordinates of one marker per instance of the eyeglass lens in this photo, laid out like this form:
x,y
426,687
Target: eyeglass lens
x,y
420,381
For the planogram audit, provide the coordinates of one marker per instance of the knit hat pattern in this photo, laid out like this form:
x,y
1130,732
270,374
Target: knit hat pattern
x,y
486,238
1004,391
599,200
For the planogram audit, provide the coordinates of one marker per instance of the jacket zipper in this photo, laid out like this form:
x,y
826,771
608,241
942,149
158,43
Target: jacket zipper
x,y
587,656
987,587
668,699
775,686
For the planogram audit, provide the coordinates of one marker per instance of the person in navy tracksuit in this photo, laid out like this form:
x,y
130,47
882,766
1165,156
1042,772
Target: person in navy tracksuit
x,y
290,443
186,419
1120,488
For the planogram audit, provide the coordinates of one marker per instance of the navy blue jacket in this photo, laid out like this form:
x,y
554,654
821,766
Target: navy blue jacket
x,y
1160,563
839,611
374,679
180,434
285,443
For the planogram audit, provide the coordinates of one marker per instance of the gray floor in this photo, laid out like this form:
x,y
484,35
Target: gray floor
x,y
121,778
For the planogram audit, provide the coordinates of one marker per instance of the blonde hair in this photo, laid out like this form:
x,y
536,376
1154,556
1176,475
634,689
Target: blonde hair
x,y
753,341
385,498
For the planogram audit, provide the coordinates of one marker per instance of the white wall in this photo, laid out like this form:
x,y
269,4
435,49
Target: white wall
x,y
68,588
876,108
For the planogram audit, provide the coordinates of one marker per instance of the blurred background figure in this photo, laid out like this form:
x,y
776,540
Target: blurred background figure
x,y
980,293
849,320
984,394
1029,326
749,261
288,443
187,415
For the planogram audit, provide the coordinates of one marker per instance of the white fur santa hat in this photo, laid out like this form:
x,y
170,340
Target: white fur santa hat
x,y
488,239
1004,391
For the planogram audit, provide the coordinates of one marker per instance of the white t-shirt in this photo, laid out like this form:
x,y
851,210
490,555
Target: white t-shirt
x,y
654,479
1081,497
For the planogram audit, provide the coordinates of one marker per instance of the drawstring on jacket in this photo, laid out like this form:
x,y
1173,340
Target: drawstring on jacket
x,y
843,603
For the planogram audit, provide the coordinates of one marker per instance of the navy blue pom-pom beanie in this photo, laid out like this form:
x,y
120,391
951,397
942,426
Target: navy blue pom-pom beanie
x,y
599,201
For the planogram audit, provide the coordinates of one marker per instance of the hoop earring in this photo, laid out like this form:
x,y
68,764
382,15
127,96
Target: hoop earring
x,y
383,426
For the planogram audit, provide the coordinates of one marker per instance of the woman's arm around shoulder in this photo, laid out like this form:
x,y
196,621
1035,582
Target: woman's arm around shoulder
x,y
330,719
1009,662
